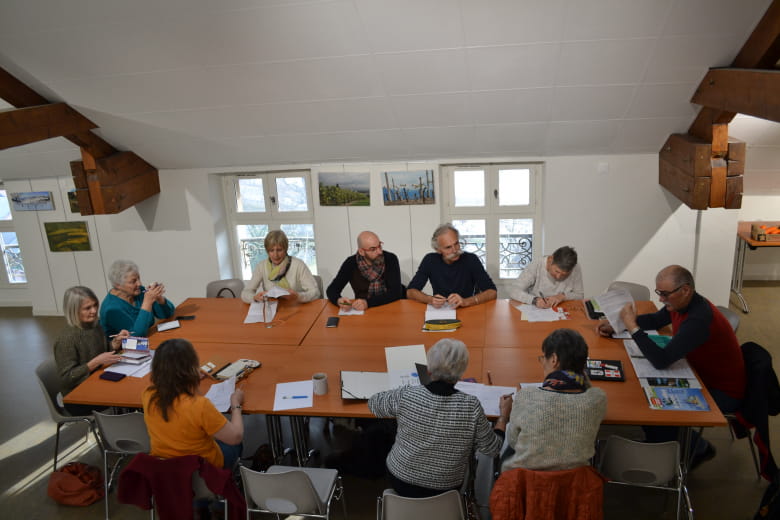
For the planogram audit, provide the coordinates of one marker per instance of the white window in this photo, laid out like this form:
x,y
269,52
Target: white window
x,y
13,272
260,202
496,208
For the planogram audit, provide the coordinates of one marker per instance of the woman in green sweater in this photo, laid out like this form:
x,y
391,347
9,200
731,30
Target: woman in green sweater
x,y
82,346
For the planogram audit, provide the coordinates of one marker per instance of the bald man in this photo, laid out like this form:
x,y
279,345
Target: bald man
x,y
373,273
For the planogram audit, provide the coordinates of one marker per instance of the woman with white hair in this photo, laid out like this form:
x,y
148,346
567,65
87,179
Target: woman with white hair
x,y
82,346
438,426
129,305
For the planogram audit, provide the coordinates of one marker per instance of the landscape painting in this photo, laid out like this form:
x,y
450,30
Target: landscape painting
x,y
404,188
345,189
67,236
32,201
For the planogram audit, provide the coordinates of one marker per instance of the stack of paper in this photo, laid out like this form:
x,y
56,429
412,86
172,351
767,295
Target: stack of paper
x,y
261,312
611,303
533,313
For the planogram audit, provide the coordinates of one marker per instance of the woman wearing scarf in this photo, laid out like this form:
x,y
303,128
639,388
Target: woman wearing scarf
x,y
554,427
281,270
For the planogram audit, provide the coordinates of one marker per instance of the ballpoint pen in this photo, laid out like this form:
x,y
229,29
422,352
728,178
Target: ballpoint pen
x,y
295,397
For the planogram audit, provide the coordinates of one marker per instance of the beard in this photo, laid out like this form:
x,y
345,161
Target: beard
x,y
380,260
454,255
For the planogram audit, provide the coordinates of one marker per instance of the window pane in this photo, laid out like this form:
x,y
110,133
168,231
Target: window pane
x,y
472,236
250,243
469,187
515,245
12,257
301,243
250,195
292,194
514,187
5,209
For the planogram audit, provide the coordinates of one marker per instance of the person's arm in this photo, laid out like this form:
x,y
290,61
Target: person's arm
x,y
233,431
164,310
305,284
521,289
385,404
341,280
395,290
693,332
487,439
251,288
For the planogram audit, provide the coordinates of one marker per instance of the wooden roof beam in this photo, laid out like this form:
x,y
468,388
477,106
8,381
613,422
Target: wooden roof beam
x,y
745,91
29,125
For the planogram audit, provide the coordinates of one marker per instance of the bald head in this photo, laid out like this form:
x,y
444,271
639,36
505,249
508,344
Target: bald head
x,y
370,247
677,275
365,237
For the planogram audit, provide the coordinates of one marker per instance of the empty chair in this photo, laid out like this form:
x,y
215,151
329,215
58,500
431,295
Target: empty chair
x,y
638,292
228,288
730,315
447,506
123,435
50,385
643,464
292,490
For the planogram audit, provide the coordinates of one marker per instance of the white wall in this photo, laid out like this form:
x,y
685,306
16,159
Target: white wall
x,y
623,224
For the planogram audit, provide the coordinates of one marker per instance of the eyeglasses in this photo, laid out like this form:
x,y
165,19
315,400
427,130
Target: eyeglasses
x,y
373,249
666,294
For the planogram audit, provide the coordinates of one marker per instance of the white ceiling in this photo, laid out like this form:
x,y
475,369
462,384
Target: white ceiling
x,y
221,83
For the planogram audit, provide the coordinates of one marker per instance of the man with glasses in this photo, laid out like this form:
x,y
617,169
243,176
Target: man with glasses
x,y
373,273
457,277
549,280
701,334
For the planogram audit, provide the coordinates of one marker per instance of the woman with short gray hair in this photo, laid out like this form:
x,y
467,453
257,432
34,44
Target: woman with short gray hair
x,y
438,426
129,305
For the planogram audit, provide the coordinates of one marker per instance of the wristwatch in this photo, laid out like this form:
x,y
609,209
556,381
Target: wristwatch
x,y
237,407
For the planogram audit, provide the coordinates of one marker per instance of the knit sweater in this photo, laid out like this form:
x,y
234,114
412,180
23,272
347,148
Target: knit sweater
x,y
554,430
117,314
536,281
298,276
73,348
436,434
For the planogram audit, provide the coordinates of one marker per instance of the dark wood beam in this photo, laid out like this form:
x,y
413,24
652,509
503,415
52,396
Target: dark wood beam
x,y
29,125
746,91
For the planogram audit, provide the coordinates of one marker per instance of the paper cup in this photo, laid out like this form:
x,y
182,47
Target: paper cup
x,y
320,380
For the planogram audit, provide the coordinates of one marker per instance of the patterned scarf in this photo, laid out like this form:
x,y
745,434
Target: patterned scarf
x,y
565,381
374,273
276,273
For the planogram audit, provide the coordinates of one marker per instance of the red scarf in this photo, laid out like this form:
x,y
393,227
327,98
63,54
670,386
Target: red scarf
x,y
374,273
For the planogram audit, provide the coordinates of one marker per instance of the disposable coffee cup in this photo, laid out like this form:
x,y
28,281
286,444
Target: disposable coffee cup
x,y
320,380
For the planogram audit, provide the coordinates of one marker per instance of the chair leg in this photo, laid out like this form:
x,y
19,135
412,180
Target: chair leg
x,y
105,481
379,508
755,457
57,445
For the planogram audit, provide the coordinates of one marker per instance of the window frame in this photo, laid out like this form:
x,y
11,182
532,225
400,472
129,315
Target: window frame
x,y
8,226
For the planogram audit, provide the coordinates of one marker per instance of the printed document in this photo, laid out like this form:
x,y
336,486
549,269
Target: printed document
x,y
219,394
445,312
611,303
532,313
261,312
401,364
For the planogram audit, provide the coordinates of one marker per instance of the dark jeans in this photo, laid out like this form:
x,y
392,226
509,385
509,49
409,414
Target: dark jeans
x,y
230,452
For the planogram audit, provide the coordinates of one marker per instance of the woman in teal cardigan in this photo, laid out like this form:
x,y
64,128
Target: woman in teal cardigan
x,y
129,305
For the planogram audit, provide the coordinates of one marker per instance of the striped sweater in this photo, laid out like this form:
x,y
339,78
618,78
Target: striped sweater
x,y
436,434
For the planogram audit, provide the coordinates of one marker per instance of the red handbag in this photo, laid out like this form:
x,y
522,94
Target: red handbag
x,y
76,484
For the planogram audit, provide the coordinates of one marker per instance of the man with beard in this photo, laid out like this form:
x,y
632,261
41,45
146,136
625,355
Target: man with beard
x,y
373,273
457,277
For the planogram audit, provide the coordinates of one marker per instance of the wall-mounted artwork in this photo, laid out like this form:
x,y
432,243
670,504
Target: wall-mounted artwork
x,y
73,201
67,236
32,201
404,188
345,189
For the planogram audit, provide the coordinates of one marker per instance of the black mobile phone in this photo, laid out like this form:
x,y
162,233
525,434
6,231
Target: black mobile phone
x,y
112,376
333,321
190,317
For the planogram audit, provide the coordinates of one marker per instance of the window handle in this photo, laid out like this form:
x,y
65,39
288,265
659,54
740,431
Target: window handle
x,y
273,200
495,193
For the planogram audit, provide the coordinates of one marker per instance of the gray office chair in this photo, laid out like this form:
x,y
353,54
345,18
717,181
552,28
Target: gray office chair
x,y
289,490
730,315
318,279
638,292
648,465
447,506
123,435
228,288
49,380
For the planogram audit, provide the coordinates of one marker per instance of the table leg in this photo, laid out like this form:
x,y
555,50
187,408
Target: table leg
x,y
738,273
300,432
274,425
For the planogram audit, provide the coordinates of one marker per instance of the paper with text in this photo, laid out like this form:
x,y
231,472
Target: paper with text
x,y
445,312
219,394
489,396
261,312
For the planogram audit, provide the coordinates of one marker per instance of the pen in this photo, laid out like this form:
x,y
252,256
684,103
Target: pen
x,y
490,379
543,296
295,397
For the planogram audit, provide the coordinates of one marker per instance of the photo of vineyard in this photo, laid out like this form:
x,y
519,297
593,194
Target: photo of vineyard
x,y
402,188
67,236
345,189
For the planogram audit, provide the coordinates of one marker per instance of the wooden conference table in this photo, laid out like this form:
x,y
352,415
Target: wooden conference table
x,y
502,348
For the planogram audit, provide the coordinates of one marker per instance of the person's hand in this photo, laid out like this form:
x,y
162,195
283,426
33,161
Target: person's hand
x,y
161,290
344,303
541,302
293,296
106,358
116,341
360,304
438,300
260,296
556,300
153,293
605,329
455,300
237,398
505,406
628,315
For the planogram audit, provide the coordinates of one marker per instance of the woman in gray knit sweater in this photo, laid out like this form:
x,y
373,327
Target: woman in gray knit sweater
x,y
554,427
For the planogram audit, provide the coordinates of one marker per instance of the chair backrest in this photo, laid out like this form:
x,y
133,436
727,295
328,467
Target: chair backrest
x,y
318,279
447,506
730,315
50,383
123,433
640,463
288,492
638,292
228,288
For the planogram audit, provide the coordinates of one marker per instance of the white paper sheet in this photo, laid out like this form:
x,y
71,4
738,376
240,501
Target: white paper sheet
x,y
489,396
445,312
350,312
261,312
611,303
219,394
131,369
276,291
362,385
401,369
679,369
532,313
297,394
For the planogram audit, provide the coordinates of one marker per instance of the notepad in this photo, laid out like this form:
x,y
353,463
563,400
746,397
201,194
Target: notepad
x,y
362,385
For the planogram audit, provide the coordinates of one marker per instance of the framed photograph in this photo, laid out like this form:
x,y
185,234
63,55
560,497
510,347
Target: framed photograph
x,y
32,201
405,188
73,202
345,189
67,236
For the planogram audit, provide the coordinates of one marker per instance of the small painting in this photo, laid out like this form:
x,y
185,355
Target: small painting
x,y
67,236
32,201
405,188
345,189
73,201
